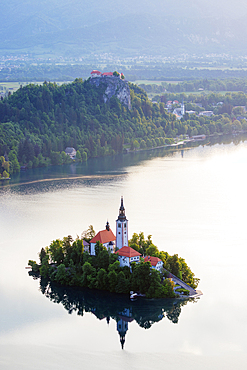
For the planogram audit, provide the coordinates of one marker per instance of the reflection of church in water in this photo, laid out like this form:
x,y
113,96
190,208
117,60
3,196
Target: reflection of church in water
x,y
144,313
105,305
122,324
122,319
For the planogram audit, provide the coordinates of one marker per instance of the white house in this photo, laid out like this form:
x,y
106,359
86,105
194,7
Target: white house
x,y
198,137
127,255
156,262
106,237
71,152
206,113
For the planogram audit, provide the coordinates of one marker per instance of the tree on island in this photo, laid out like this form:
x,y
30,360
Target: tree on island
x,y
88,234
176,265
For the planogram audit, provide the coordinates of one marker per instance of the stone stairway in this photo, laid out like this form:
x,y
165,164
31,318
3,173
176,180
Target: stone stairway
x,y
183,285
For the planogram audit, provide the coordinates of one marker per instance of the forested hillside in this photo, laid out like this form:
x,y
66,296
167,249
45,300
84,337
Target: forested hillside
x,y
37,123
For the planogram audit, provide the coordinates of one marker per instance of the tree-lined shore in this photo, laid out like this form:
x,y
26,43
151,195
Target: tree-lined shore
x,y
38,122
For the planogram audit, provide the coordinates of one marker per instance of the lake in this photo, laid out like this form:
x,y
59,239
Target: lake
x,y
193,203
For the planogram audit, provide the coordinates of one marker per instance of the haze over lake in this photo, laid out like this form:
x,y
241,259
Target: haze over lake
x,y
192,203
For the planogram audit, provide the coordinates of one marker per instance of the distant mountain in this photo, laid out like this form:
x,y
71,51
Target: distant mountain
x,y
158,27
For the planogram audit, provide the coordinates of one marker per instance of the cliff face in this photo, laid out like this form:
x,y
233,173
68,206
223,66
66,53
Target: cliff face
x,y
114,86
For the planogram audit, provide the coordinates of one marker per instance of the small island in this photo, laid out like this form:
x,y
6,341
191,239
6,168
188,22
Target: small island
x,y
114,263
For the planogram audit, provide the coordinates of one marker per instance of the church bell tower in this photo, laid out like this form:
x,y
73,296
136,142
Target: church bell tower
x,y
121,228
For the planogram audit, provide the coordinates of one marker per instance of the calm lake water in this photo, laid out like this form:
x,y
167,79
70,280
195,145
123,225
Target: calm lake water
x,y
192,203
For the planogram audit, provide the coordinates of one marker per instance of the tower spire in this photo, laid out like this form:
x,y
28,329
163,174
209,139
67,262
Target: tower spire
x,y
122,216
122,340
121,228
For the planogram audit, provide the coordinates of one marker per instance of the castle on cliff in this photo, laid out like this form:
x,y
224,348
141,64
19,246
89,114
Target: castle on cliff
x,y
96,73
115,85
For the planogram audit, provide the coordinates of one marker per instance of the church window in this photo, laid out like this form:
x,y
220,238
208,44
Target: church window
x,y
119,225
125,224
119,232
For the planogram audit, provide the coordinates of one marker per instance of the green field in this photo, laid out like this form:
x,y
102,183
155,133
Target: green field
x,y
154,82
13,86
206,92
9,86
221,68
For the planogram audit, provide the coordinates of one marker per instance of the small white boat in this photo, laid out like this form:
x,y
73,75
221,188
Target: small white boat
x,y
133,295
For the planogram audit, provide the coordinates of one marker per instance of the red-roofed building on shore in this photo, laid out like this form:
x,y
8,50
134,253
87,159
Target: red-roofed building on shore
x,y
127,255
106,237
96,73
156,262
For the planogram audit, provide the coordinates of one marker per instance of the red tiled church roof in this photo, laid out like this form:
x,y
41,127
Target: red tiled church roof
x,y
127,252
152,260
103,237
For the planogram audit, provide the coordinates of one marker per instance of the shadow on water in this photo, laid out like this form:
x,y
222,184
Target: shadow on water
x,y
96,171
105,305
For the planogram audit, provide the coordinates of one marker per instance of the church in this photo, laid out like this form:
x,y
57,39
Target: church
x,y
117,244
